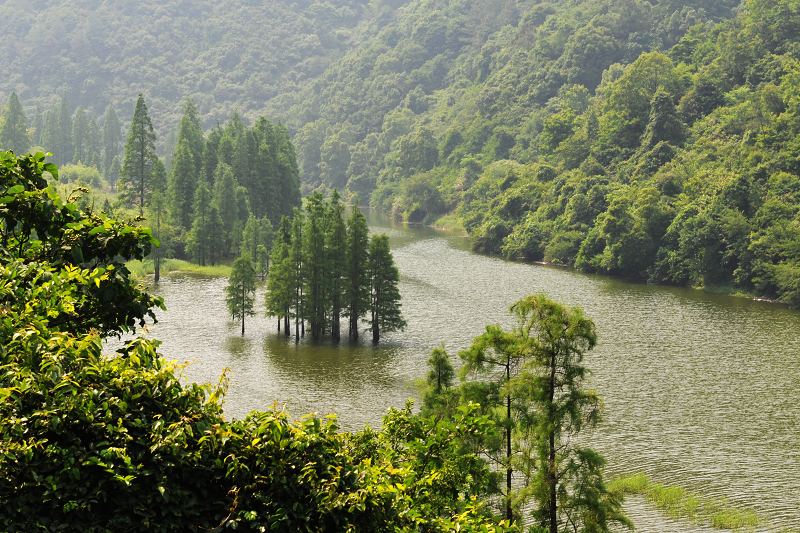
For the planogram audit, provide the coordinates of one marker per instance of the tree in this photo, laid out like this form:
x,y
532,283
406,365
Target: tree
x,y
140,153
112,140
384,293
541,384
314,271
240,293
357,287
336,250
439,382
157,208
201,234
280,287
14,131
665,124
182,186
296,261
226,204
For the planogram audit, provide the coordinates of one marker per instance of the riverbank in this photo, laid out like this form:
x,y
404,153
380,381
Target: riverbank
x,y
173,267
678,502
451,223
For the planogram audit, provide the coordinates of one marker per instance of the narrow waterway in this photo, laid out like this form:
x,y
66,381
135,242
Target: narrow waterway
x,y
700,390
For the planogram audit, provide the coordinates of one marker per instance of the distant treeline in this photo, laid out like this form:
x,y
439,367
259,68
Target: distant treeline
x,y
200,204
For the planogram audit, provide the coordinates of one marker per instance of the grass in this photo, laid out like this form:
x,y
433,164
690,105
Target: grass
x,y
678,502
169,267
450,223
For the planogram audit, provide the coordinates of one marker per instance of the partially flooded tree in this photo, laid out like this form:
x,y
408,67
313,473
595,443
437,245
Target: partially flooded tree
x,y
538,376
384,294
240,293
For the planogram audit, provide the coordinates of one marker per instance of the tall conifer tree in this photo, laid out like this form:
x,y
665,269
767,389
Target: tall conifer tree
x,y
14,133
112,141
384,294
336,250
140,153
241,289
357,287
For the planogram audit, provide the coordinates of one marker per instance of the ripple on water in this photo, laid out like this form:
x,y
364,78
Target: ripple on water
x,y
700,390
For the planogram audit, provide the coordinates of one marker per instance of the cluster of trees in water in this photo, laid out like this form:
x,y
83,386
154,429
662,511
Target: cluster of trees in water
x,y
319,267
99,442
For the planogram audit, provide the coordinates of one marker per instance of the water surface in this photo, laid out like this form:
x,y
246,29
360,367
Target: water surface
x,y
700,390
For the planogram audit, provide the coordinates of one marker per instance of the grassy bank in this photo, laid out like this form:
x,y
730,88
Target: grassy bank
x,y
450,223
169,267
678,502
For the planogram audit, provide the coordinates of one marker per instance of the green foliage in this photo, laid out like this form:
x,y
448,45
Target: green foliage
x,y
117,442
241,289
385,315
532,378
14,127
681,503
140,154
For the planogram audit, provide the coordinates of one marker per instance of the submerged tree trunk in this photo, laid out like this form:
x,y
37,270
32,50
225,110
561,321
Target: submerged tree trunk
x,y
509,472
376,332
551,460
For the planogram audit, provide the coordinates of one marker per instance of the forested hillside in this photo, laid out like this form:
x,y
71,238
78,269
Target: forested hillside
x,y
225,55
652,140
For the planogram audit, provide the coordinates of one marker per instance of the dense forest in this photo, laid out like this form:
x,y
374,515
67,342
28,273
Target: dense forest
x,y
646,139
651,140
224,55
111,443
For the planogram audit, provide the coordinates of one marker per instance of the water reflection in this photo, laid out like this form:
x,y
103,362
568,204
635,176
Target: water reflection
x,y
700,389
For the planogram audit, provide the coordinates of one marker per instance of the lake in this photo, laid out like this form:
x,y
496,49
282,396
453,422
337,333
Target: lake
x,y
700,390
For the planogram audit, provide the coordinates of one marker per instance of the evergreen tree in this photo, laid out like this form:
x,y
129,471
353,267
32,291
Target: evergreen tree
x,y
336,249
280,280
190,132
241,289
226,204
80,126
140,153
251,238
14,131
315,269
296,260
157,209
92,143
384,293
357,285
200,236
182,186
438,395
57,132
112,140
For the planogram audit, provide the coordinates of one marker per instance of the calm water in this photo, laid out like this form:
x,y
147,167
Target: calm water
x,y
700,390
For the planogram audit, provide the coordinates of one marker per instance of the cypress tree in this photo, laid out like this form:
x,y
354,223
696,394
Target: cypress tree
x,y
112,139
241,289
14,133
190,132
384,293
314,269
297,261
336,249
140,153
79,137
182,186
357,287
200,234
226,204
280,287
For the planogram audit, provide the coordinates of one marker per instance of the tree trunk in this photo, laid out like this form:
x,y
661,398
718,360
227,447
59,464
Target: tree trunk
x,y
243,298
157,270
376,333
509,510
286,323
551,460
279,324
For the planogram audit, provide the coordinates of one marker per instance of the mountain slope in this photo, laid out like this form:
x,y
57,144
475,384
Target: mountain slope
x,y
225,55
